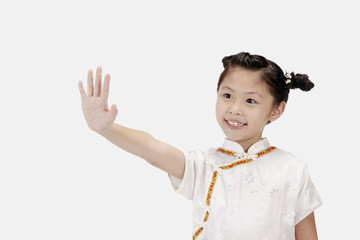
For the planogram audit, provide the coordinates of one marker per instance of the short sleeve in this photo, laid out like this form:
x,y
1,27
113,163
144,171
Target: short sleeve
x,y
309,198
185,186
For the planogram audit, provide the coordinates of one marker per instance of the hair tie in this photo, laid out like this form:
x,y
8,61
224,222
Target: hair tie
x,y
288,77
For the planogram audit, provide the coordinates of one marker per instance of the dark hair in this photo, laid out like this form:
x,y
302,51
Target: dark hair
x,y
270,72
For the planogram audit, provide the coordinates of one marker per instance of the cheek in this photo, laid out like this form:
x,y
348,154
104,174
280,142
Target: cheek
x,y
220,109
217,110
260,117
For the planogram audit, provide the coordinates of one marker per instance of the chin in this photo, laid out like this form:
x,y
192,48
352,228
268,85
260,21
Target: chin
x,y
234,138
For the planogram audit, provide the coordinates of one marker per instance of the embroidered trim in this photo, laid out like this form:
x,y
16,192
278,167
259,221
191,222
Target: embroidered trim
x,y
246,158
197,233
236,163
265,151
211,188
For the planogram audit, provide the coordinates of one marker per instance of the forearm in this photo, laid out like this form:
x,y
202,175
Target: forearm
x,y
143,145
133,141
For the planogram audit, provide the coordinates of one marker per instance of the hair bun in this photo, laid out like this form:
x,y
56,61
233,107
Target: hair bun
x,y
301,81
226,61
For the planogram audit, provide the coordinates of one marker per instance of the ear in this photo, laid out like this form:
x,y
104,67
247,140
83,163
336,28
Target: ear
x,y
277,111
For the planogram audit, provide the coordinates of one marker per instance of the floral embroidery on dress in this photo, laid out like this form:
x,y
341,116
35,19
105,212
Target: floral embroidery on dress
x,y
274,192
220,236
249,177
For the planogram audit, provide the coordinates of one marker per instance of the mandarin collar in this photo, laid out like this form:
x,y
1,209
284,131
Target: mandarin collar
x,y
255,148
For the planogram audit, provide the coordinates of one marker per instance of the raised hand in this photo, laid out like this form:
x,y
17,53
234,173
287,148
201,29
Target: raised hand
x,y
95,108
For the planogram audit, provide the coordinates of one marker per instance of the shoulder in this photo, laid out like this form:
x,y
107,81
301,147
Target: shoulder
x,y
294,171
289,161
200,153
197,156
200,157
196,153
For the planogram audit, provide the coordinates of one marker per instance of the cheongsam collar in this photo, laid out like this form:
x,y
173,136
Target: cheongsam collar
x,y
255,148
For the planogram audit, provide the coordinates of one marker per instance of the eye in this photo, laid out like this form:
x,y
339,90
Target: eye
x,y
227,95
251,101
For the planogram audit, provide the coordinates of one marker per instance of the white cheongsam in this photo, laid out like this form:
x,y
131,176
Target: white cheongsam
x,y
261,194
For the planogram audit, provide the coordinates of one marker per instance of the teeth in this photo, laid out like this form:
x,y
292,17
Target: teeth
x,y
235,124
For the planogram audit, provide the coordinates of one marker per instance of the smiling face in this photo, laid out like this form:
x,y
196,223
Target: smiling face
x,y
244,106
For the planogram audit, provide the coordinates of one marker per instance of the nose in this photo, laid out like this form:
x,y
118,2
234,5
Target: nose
x,y
235,109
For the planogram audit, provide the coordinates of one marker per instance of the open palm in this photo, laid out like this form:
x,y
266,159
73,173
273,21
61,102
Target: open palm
x,y
95,108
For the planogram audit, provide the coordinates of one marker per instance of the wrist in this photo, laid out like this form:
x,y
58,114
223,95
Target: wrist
x,y
105,132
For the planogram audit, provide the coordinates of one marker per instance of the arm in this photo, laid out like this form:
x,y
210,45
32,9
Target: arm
x,y
101,120
306,229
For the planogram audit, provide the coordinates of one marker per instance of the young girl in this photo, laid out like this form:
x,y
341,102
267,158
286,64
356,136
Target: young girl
x,y
246,189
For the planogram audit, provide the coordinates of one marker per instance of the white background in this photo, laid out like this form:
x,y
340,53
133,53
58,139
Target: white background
x,y
60,180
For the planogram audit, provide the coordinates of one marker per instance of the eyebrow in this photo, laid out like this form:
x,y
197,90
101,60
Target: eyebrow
x,y
246,93
228,88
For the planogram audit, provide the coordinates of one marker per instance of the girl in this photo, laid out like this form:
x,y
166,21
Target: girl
x,y
246,189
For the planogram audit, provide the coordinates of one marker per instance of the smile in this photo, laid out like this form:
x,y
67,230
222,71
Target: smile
x,y
235,124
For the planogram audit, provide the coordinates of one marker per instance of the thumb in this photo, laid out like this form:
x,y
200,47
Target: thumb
x,y
114,110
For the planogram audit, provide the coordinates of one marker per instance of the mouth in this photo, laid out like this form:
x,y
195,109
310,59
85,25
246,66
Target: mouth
x,y
235,124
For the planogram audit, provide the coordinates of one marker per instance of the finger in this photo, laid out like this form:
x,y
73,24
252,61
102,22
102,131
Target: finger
x,y
82,91
90,83
98,82
105,88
